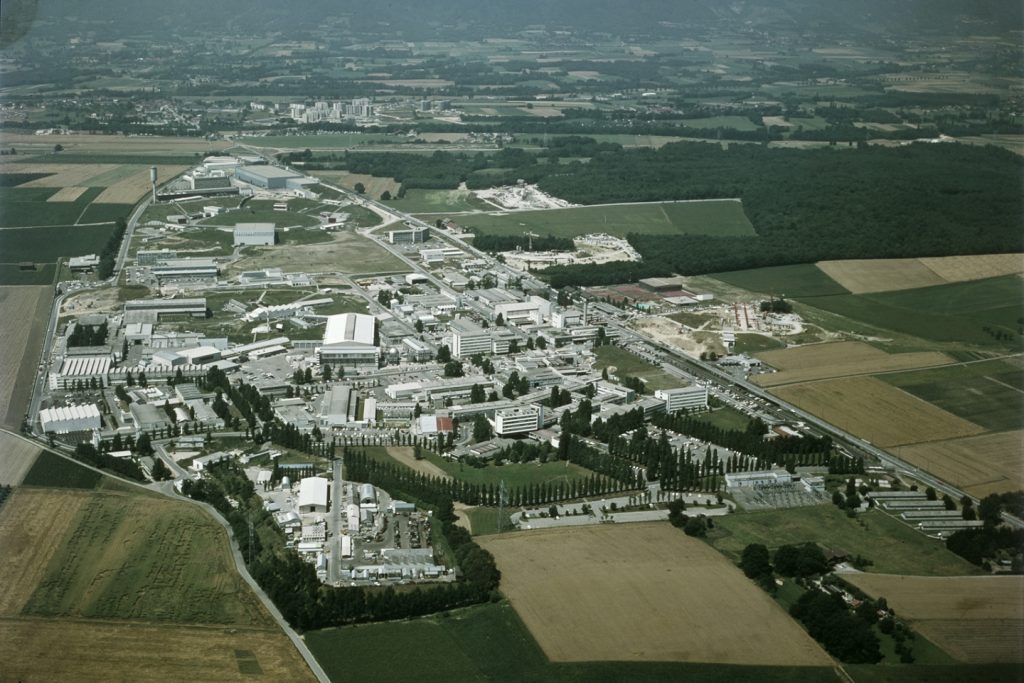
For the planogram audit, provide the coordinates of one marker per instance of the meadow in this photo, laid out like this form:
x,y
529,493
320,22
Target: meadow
x,y
893,546
802,280
711,217
627,364
439,201
346,252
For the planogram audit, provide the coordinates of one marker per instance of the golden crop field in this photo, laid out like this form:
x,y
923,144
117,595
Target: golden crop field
x,y
839,359
33,525
17,455
131,189
871,409
19,346
883,275
979,465
643,592
33,649
963,268
880,275
67,194
375,185
63,175
975,619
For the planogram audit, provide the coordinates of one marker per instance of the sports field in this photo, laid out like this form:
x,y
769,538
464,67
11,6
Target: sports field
x,y
974,619
893,546
871,409
707,217
803,280
989,393
19,347
979,465
642,592
839,359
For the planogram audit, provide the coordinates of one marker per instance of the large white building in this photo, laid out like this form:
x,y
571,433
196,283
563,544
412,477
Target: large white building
x,y
313,494
688,398
350,341
70,419
516,420
536,310
254,234
469,339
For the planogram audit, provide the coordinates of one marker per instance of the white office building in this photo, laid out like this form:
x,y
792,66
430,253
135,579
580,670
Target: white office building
x,y
516,420
469,339
684,398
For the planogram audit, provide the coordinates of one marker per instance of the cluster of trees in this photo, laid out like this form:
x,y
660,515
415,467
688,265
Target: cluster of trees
x,y
845,635
515,386
559,397
774,305
692,526
108,257
933,200
88,335
989,543
292,583
126,467
492,243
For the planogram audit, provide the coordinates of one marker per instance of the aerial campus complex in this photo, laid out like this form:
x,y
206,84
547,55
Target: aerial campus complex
x,y
420,345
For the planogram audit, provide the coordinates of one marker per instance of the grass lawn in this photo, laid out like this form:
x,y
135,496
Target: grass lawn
x,y
439,201
893,547
989,393
803,280
54,471
957,312
712,217
626,363
490,643
484,520
752,343
725,417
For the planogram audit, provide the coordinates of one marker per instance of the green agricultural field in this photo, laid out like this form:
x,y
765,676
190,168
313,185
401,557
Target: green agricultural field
x,y
893,547
103,213
27,206
957,313
752,343
803,280
331,141
99,158
51,470
11,274
952,673
439,201
627,364
711,217
133,557
990,393
46,245
487,642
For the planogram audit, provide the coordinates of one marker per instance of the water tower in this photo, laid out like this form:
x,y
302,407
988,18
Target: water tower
x,y
152,180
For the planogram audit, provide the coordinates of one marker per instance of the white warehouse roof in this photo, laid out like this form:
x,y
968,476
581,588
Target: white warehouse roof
x,y
350,327
313,491
69,413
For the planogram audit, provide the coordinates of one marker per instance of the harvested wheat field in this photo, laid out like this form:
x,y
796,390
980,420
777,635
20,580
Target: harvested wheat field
x,y
33,524
964,268
643,592
880,275
63,650
131,189
63,175
17,456
979,465
839,359
975,619
871,409
19,346
67,194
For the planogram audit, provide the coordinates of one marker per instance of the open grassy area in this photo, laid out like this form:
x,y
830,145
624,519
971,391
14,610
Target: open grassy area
x,y
42,274
725,417
803,280
747,342
439,201
47,244
51,470
627,364
490,643
328,141
25,206
347,252
893,547
256,212
958,312
989,393
711,217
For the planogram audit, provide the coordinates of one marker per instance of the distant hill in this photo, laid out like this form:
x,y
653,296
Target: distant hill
x,y
467,18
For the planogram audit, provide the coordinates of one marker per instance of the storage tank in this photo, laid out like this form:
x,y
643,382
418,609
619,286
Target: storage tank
x,y
286,483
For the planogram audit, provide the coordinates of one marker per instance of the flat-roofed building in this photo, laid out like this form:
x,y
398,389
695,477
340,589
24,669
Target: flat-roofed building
x,y
338,406
161,307
87,370
70,419
516,420
256,234
350,341
268,177
684,398
469,339
411,234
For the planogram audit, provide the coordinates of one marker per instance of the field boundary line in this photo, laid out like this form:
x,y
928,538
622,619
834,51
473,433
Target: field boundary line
x,y
1008,386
